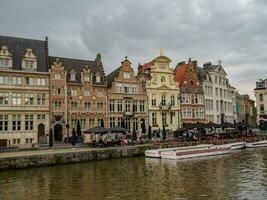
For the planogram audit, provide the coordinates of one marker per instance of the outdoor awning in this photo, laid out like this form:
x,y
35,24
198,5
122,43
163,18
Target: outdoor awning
x,y
241,125
97,130
117,129
227,125
212,125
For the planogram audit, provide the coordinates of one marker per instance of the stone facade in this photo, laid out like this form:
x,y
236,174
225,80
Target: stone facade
x,y
245,109
163,93
24,91
261,99
219,94
78,93
192,94
127,99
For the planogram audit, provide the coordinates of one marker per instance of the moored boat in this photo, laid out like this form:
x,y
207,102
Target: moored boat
x,y
262,143
197,152
156,153
237,145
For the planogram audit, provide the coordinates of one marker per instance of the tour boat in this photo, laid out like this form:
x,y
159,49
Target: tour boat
x,y
237,145
156,153
262,143
196,152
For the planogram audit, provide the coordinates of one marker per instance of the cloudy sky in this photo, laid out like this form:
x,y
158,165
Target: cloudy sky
x,y
233,31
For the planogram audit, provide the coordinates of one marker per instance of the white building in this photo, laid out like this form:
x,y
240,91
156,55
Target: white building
x,y
220,101
261,99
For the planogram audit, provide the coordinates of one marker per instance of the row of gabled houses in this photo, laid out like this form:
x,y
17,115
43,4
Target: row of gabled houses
x,y
39,92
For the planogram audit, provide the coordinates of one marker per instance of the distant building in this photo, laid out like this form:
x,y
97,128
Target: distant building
x,y
219,94
24,91
163,93
261,101
192,94
127,99
78,93
245,109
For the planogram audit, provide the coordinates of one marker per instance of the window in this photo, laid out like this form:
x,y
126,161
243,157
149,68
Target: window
x,y
3,98
135,121
87,93
87,106
3,122
100,106
4,62
142,106
164,119
119,88
153,100
126,75
261,97
134,106
162,79
4,80
220,81
98,79
215,79
40,81
29,99
29,81
186,98
73,92
220,92
163,99
261,108
192,82
57,91
16,99
189,112
127,105
16,122
16,80
91,123
29,64
41,117
86,79
217,105
119,105
216,89
172,117
154,118
57,105
40,99
134,89
112,122
28,122
72,77
57,76
111,105
74,105
172,100
126,88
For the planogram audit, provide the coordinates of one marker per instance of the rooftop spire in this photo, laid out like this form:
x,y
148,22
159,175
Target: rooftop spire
x,y
161,51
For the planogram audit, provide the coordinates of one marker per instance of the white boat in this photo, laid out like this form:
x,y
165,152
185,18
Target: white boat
x,y
197,152
237,145
156,153
262,143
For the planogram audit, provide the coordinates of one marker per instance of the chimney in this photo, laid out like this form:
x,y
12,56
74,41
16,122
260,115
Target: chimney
x,y
194,63
98,59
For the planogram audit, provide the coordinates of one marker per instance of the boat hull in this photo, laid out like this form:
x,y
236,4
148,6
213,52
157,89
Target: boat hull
x,y
257,144
238,145
202,152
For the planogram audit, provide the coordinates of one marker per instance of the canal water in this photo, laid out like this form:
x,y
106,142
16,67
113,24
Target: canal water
x,y
239,175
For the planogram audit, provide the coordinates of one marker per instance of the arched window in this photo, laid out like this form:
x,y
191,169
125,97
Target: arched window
x,y
192,82
98,79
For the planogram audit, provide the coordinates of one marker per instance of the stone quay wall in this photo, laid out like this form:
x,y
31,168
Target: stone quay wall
x,y
74,156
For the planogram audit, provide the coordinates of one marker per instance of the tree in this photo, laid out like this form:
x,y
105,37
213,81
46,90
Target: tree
x,y
78,129
51,137
143,126
73,141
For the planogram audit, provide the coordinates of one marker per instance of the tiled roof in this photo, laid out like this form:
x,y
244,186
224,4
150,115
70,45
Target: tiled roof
x,y
78,65
18,47
110,77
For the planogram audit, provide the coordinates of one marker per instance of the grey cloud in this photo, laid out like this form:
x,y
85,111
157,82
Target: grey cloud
x,y
206,30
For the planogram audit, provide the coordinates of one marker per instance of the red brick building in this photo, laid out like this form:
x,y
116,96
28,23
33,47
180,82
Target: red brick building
x,y
192,93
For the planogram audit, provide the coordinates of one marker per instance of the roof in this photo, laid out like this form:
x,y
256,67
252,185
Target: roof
x,y
18,47
110,77
78,65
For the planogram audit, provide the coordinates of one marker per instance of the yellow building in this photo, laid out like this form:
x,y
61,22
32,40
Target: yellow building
x,y
163,93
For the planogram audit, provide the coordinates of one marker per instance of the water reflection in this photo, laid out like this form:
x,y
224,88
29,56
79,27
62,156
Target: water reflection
x,y
239,175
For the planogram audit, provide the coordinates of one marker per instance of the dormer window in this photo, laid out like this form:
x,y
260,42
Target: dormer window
x,y
98,77
5,57
29,60
73,77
